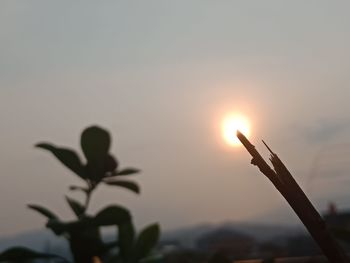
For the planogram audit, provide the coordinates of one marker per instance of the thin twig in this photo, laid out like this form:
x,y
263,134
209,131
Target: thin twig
x,y
297,199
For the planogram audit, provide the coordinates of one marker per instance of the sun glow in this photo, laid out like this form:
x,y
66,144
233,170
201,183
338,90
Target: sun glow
x,y
231,124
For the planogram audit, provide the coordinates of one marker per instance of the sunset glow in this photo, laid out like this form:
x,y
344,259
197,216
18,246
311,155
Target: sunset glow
x,y
231,124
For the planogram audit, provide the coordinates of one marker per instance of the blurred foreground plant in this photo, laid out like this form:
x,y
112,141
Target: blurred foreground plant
x,y
83,234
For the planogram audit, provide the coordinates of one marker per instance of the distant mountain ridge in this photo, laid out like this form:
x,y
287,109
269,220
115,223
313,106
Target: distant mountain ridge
x,y
187,236
44,240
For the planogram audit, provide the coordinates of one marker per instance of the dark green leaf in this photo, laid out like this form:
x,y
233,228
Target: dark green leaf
x,y
111,163
128,171
95,143
112,215
58,227
66,156
21,254
146,241
44,211
76,207
82,226
132,186
126,237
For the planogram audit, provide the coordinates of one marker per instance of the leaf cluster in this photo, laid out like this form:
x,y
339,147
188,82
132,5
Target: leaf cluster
x,y
83,233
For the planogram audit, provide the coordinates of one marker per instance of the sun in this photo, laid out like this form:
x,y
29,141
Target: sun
x,y
230,124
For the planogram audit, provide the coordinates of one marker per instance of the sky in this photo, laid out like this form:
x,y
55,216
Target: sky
x,y
160,76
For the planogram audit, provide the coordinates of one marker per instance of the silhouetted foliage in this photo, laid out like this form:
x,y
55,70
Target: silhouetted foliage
x,y
21,254
219,258
83,234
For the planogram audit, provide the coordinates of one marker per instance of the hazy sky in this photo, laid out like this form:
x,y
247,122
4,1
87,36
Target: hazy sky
x,y
160,75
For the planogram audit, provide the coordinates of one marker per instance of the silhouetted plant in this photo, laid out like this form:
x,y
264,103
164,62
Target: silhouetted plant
x,y
219,258
83,234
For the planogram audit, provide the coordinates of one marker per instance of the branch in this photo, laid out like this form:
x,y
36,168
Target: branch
x,y
284,182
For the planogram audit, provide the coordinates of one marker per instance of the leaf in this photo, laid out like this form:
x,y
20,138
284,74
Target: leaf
x,y
76,207
112,215
21,254
126,238
95,143
44,211
101,168
146,241
111,163
58,227
83,226
66,156
132,186
128,171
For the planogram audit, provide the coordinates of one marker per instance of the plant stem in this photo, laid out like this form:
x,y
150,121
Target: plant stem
x,y
91,188
87,201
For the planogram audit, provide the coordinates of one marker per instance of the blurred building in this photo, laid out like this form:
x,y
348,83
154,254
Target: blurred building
x,y
337,219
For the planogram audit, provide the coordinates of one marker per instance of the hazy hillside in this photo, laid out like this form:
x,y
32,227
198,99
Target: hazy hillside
x,y
261,232
44,240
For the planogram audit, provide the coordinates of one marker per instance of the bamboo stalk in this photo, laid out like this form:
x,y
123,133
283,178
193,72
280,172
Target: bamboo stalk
x,y
284,182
